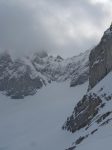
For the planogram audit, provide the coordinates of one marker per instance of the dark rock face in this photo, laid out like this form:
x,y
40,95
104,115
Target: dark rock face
x,y
24,86
83,113
101,59
16,78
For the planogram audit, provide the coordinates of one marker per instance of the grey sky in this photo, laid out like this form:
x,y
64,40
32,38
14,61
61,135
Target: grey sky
x,y
65,27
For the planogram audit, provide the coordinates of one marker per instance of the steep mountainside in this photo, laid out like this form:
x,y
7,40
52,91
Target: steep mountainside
x,y
101,59
24,76
94,111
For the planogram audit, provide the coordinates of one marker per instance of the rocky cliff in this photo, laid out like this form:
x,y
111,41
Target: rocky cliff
x,y
94,110
101,59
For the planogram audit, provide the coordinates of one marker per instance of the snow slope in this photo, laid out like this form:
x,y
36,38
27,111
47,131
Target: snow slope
x,y
102,139
34,123
96,133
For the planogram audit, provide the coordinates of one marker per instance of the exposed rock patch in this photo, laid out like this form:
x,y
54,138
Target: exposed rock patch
x,y
83,113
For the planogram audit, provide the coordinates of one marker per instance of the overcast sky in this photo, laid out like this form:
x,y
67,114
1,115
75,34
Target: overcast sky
x,y
65,27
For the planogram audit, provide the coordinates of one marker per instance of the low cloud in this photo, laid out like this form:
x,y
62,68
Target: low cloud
x,y
59,27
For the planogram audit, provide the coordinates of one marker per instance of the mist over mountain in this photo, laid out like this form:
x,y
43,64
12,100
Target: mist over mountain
x,y
24,76
55,74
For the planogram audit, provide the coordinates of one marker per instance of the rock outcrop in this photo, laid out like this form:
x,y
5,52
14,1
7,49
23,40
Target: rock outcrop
x,y
101,59
83,113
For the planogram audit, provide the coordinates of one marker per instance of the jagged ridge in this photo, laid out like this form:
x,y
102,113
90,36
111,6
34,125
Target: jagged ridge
x,y
24,76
